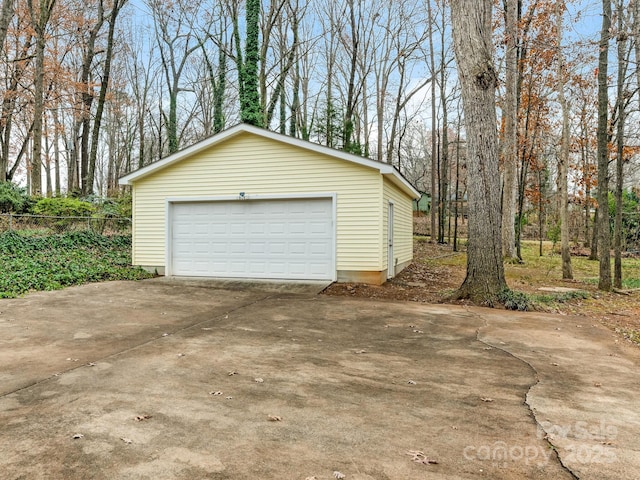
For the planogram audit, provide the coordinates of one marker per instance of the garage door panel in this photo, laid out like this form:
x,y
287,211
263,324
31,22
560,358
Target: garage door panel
x,y
291,238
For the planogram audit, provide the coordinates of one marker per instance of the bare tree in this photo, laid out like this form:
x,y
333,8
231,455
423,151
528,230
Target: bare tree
x,y
621,100
563,160
116,6
510,145
40,16
604,235
177,39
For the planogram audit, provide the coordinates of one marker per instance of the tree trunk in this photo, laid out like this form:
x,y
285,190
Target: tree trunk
x,y
432,206
40,18
349,127
604,234
620,132
593,255
471,21
510,146
97,122
6,14
563,160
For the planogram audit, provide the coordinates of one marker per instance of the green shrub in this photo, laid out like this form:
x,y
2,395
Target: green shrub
x,y
56,261
63,207
13,199
513,300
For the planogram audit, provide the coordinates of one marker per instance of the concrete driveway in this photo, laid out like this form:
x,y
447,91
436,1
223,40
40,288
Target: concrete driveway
x,y
165,380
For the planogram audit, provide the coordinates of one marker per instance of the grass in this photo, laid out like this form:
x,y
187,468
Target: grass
x,y
548,267
55,261
536,271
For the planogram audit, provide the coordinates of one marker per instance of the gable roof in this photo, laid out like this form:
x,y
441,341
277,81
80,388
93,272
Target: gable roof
x,y
384,168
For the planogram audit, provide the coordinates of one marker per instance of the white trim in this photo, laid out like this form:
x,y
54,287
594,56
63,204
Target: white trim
x,y
384,168
391,267
248,197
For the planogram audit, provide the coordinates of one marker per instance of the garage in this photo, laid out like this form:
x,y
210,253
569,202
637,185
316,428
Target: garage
x,y
252,203
286,238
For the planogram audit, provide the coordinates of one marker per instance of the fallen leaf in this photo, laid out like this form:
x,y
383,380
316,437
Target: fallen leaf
x,y
128,441
142,418
215,393
339,475
486,399
274,418
258,380
77,436
420,457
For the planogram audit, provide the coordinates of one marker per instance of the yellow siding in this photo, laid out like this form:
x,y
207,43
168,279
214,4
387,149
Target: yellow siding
x,y
259,166
403,224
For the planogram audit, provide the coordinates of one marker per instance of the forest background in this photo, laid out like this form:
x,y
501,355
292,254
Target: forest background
x,y
91,90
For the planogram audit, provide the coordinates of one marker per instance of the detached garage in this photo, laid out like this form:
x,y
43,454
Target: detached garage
x,y
251,203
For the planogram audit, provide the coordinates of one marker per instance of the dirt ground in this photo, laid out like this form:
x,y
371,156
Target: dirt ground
x,y
437,271
170,380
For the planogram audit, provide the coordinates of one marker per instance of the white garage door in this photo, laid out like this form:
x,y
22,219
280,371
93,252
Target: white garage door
x,y
277,239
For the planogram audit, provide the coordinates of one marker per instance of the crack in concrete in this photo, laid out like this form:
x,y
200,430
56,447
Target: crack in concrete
x,y
526,399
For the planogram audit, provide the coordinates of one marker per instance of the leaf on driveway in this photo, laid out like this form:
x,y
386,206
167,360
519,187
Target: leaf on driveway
x,y
274,418
420,457
126,440
142,418
486,399
339,475
78,436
